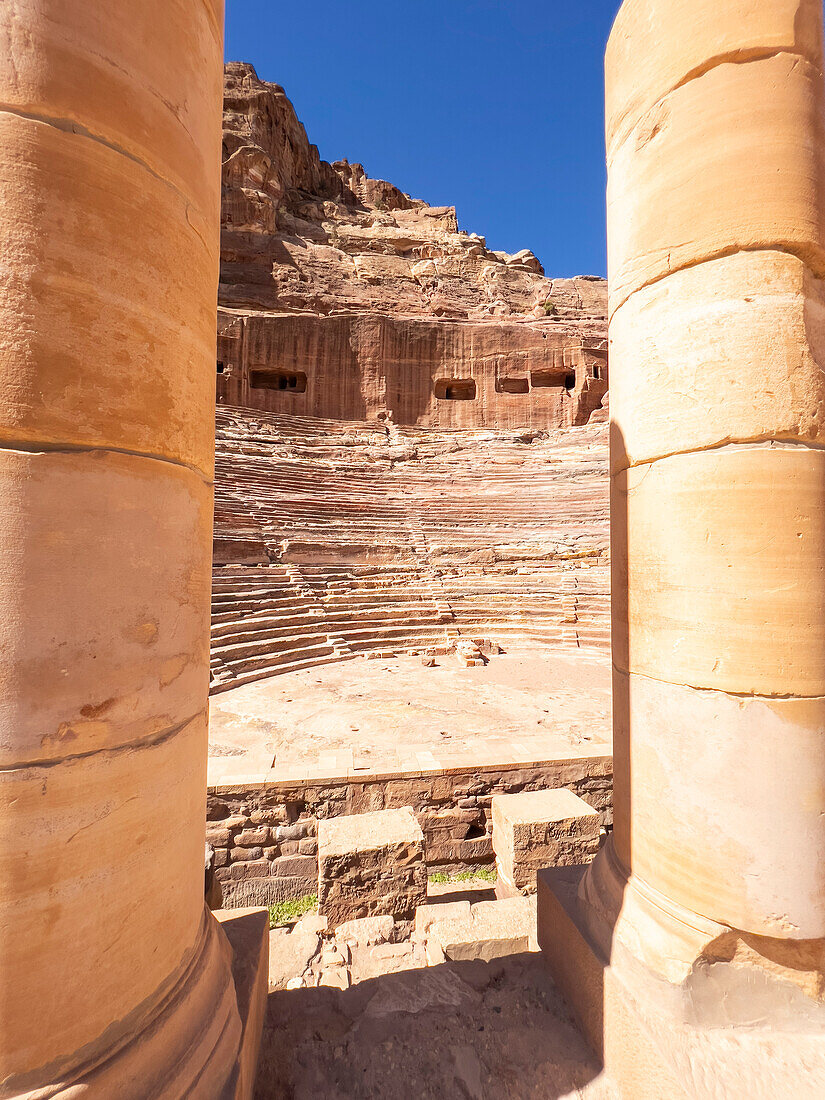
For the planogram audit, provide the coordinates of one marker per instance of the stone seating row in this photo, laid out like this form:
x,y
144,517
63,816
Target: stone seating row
x,y
346,550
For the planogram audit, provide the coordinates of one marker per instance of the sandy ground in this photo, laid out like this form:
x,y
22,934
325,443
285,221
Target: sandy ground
x,y
464,1030
394,714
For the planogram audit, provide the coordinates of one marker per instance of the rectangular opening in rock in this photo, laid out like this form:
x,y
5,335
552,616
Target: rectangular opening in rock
x,y
455,389
510,384
220,367
546,379
292,381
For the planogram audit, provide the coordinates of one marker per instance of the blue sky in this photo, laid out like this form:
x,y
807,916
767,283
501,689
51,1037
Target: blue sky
x,y
494,107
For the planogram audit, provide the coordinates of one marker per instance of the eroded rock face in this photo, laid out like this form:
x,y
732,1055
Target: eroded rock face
x,y
342,296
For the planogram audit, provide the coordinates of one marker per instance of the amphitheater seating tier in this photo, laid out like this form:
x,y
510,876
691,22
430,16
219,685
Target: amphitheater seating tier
x,y
336,539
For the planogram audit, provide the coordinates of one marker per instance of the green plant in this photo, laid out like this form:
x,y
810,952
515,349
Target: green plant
x,y
287,912
549,308
487,874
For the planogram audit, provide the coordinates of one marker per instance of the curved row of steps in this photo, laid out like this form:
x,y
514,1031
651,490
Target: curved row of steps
x,y
334,540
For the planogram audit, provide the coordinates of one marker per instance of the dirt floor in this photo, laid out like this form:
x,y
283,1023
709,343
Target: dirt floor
x,y
479,1030
368,1013
395,714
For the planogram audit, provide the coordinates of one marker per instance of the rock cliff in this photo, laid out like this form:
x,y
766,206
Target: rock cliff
x,y
341,296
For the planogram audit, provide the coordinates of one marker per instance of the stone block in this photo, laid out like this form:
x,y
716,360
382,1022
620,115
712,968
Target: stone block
x,y
289,955
643,64
494,929
257,868
266,890
218,838
678,585
367,931
138,652
142,103
113,301
243,855
679,839
296,867
248,934
535,829
110,787
371,864
681,191
252,838
694,392
428,915
475,850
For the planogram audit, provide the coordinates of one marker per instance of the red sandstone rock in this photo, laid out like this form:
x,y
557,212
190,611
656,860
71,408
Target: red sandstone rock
x,y
342,296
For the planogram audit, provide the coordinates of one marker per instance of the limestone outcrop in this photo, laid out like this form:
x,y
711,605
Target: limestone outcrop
x,y
341,296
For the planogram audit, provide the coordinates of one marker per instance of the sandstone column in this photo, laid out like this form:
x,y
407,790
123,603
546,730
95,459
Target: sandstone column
x,y
113,977
709,902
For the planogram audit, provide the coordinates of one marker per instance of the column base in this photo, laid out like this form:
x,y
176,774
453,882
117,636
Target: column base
x,y
723,1033
199,1040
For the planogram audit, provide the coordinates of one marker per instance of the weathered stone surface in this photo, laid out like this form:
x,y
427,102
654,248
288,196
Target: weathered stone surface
x,y
538,829
371,864
252,838
493,929
643,64
681,191
678,586
116,979
289,955
432,913
137,651
771,310
366,931
344,297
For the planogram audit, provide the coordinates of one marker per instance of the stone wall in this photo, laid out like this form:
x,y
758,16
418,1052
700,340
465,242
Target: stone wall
x,y
263,829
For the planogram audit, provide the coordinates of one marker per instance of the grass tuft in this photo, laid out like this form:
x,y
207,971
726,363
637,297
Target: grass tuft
x,y
487,874
287,912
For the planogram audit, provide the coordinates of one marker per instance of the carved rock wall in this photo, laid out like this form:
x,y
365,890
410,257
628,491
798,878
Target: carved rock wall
x,y
343,297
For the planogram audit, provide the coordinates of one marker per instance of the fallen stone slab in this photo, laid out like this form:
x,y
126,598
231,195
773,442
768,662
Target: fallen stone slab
x,y
290,953
386,958
428,915
493,929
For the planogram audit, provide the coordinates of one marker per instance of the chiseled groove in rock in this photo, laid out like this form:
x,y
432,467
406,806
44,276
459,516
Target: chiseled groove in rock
x,y
34,447
70,126
734,57
147,742
807,256
710,690
774,441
